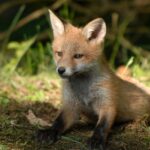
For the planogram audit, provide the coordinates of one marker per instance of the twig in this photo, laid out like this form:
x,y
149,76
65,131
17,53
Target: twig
x,y
34,15
9,4
13,24
128,45
135,49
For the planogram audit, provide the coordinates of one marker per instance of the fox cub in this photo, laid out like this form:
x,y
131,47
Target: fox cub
x,y
89,86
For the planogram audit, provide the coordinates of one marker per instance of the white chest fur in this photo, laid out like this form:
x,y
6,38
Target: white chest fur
x,y
85,89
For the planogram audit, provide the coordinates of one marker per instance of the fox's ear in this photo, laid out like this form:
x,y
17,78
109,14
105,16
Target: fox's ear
x,y
57,24
95,30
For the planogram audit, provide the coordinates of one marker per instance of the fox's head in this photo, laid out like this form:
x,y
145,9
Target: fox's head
x,y
76,50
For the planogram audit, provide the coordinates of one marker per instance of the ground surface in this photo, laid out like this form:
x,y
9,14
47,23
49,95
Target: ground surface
x,y
41,94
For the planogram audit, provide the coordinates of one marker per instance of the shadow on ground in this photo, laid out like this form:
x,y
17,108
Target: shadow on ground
x,y
16,133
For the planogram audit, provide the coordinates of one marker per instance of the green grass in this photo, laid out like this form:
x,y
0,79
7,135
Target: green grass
x,y
41,94
3,147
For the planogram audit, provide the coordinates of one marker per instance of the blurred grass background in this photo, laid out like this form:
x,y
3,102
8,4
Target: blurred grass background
x,y
25,34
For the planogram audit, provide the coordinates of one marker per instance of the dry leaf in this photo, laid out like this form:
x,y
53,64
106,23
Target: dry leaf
x,y
33,120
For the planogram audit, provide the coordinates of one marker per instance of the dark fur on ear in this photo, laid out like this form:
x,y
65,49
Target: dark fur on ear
x,y
95,30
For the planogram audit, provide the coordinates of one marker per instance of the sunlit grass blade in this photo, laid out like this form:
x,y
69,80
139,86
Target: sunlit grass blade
x,y
21,51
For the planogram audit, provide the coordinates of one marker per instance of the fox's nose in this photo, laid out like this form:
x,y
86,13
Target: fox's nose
x,y
61,70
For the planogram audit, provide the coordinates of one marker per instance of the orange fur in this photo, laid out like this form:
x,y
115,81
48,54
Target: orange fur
x,y
89,85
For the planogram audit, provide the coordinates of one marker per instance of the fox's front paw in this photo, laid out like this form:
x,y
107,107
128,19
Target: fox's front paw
x,y
48,136
95,144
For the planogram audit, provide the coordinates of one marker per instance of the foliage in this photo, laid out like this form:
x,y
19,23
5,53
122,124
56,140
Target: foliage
x,y
25,36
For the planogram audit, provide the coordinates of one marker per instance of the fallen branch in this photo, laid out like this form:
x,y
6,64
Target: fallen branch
x,y
34,15
5,6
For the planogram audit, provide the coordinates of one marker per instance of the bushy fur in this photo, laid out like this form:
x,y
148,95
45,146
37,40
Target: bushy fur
x,y
89,86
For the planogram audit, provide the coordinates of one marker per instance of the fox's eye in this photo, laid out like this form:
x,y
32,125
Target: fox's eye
x,y
78,56
59,53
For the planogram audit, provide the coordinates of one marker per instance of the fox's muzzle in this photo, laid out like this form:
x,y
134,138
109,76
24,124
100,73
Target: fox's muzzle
x,y
65,72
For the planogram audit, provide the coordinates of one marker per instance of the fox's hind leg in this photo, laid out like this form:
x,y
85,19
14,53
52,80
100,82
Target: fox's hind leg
x,y
106,118
67,117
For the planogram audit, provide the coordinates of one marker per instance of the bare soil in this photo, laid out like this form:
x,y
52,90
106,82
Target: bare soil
x,y
16,133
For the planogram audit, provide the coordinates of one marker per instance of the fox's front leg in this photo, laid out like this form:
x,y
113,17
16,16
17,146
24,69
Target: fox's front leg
x,y
67,117
106,118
